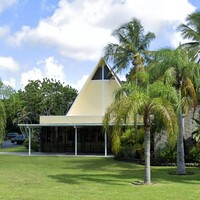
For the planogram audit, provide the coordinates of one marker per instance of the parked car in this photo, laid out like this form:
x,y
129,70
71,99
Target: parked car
x,y
11,135
19,139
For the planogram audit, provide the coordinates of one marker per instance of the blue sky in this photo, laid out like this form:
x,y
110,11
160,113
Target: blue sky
x,y
64,39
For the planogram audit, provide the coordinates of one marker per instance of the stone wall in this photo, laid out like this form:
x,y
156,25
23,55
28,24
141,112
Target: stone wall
x,y
190,123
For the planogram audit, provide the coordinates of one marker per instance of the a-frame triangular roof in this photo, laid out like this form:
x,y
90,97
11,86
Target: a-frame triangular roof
x,y
90,105
97,93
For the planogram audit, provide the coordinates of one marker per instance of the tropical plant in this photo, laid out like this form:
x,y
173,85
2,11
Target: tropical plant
x,y
130,50
196,132
148,103
191,30
174,68
131,145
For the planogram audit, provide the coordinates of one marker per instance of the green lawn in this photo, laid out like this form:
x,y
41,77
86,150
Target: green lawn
x,y
85,178
17,148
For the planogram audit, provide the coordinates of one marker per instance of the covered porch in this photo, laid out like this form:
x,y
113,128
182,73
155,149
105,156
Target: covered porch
x,y
76,139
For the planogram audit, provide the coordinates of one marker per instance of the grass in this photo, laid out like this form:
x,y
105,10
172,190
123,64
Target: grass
x,y
17,148
90,178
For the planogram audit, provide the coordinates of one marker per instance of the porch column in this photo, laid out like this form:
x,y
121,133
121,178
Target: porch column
x,y
76,140
29,141
105,140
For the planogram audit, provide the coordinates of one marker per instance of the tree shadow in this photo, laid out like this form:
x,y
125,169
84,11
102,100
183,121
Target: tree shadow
x,y
104,178
168,174
109,171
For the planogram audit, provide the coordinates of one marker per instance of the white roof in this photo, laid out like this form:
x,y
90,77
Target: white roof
x,y
90,105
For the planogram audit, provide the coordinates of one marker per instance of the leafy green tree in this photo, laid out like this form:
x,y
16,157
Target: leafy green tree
x,y
148,103
47,97
174,68
130,50
6,92
56,98
191,30
2,121
12,105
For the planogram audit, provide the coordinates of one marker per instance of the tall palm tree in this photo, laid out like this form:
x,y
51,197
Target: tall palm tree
x,y
129,51
174,68
191,30
2,121
147,104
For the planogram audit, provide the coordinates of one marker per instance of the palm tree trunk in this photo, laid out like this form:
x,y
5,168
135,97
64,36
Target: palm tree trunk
x,y
147,177
180,145
135,124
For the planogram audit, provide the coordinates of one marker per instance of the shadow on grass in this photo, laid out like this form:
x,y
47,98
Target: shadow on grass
x,y
168,174
105,179
109,171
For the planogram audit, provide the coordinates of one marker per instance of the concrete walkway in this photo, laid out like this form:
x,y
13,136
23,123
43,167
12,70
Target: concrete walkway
x,y
51,154
8,144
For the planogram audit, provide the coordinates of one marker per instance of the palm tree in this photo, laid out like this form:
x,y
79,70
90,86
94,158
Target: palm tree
x,y
174,68
147,104
191,31
2,121
23,117
130,50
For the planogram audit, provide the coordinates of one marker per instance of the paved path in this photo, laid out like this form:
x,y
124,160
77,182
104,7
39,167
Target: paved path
x,y
8,144
48,154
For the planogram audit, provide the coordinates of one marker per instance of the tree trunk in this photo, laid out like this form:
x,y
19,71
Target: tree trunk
x,y
135,124
180,145
147,177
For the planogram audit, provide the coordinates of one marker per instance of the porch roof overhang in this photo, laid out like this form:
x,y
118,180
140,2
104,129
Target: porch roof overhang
x,y
61,121
57,125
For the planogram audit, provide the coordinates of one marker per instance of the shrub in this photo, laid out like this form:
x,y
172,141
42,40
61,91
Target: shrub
x,y
194,154
166,154
131,145
34,144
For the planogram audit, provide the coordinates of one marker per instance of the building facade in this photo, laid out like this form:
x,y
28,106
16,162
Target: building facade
x,y
81,130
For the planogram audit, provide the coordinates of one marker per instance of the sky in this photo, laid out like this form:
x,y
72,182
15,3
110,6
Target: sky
x,y
64,39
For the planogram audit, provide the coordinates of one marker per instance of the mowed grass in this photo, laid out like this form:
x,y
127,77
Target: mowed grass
x,y
85,178
17,148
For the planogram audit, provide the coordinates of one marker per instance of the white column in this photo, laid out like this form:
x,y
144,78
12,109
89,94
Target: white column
x,y
76,137
29,141
103,98
105,140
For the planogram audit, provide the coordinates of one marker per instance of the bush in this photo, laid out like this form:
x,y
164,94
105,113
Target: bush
x,y
34,144
166,154
194,154
125,153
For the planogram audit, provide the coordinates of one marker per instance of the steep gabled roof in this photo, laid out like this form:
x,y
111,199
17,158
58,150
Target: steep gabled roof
x,y
97,93
90,105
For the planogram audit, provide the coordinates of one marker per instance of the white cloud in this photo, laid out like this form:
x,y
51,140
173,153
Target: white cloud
x,y
4,4
8,63
49,68
4,30
79,84
53,69
80,29
34,74
11,82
